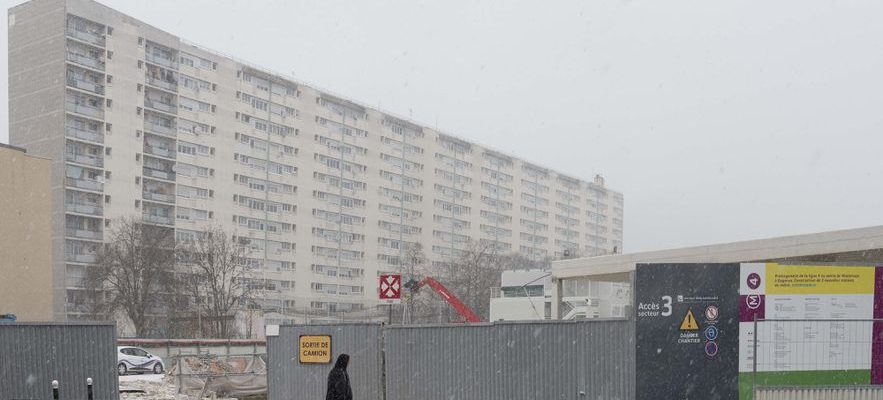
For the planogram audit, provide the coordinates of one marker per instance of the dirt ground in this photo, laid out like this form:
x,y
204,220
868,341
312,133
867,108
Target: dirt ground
x,y
155,387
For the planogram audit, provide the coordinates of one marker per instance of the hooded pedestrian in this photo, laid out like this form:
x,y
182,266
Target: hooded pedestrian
x,y
338,380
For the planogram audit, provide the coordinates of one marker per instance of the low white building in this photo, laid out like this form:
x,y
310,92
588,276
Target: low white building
x,y
527,295
522,295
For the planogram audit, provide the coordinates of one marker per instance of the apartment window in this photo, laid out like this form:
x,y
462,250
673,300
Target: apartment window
x,y
188,104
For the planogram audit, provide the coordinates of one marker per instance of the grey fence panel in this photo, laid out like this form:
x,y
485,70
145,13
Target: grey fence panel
x,y
33,355
609,359
289,379
538,360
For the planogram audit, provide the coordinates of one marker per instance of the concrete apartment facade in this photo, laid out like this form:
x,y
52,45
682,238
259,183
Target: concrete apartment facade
x,y
326,192
26,286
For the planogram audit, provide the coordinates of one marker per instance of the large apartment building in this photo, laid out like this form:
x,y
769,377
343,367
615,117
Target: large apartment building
x,y
326,192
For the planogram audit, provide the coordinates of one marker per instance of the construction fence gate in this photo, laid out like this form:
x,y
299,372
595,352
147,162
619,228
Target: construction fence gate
x,y
589,359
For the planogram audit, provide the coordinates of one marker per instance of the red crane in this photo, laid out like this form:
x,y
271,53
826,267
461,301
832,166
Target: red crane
x,y
449,297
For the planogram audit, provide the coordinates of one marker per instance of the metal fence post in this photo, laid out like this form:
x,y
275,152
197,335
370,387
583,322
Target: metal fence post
x,y
180,369
89,388
754,361
55,390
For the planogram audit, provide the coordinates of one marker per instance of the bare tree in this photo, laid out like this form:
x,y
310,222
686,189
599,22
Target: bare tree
x,y
419,305
472,275
219,279
134,273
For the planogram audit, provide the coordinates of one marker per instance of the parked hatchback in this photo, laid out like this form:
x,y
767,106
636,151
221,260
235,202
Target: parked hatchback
x,y
135,359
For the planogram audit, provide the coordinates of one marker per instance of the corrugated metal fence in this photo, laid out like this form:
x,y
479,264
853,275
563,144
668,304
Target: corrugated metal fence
x,y
289,379
32,355
592,359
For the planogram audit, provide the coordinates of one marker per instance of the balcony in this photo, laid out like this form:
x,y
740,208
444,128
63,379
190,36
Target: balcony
x,y
158,219
159,151
156,196
81,258
155,173
160,60
79,133
85,159
84,233
95,38
161,106
161,129
162,84
84,208
82,84
86,61
85,184
83,109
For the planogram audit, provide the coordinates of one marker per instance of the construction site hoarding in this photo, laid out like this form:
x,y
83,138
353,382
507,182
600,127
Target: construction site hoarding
x,y
699,327
32,355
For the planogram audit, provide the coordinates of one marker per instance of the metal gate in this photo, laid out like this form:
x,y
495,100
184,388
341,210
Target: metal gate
x,y
289,379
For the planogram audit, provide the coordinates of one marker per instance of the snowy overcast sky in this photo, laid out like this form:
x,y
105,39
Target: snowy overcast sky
x,y
719,121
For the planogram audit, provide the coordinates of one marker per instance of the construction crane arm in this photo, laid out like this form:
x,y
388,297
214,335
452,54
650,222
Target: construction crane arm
x,y
449,297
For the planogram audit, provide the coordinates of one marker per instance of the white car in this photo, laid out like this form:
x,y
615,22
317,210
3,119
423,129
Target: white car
x,y
136,359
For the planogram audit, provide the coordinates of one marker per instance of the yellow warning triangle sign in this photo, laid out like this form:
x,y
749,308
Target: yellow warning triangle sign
x,y
689,323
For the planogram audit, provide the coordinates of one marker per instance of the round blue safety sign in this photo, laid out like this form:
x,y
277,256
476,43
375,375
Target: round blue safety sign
x,y
711,332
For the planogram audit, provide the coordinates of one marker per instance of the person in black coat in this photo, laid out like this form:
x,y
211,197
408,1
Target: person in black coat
x,y
339,381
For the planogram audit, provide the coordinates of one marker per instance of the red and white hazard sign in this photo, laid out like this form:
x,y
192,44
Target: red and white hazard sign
x,y
390,288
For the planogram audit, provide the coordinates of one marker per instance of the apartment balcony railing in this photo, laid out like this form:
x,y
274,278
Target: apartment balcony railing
x,y
171,86
84,60
159,151
85,184
342,275
84,233
85,159
163,130
86,85
80,258
88,37
161,106
155,173
158,219
158,197
80,133
84,208
159,60
85,110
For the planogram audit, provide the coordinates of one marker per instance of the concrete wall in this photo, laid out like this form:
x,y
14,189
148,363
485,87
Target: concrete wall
x,y
518,308
25,236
